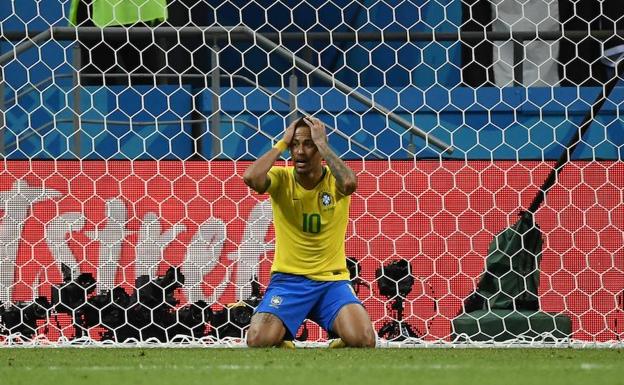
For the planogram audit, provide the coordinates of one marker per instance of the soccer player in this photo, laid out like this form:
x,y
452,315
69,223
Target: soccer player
x,y
309,276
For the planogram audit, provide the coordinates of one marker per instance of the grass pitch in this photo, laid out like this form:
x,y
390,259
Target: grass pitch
x,y
114,366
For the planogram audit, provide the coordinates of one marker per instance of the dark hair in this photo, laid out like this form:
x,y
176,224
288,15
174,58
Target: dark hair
x,y
300,122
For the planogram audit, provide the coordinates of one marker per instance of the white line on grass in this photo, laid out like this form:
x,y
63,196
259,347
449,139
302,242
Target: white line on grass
x,y
589,366
225,367
243,367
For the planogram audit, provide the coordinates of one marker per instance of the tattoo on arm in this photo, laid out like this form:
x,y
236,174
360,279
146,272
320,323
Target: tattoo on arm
x,y
343,174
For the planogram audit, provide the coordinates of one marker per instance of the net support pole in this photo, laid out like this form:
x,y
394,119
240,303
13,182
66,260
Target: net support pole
x,y
215,114
25,45
2,109
232,34
576,138
305,66
292,100
77,63
518,61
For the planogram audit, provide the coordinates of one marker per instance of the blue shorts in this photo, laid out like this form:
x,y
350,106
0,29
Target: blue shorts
x,y
293,298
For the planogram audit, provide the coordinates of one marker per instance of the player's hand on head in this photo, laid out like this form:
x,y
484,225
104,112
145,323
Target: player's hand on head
x,y
289,133
317,130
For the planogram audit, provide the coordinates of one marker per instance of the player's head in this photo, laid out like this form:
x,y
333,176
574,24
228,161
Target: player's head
x,y
303,151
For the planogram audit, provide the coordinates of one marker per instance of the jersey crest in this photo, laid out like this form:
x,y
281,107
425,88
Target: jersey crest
x,y
276,301
326,199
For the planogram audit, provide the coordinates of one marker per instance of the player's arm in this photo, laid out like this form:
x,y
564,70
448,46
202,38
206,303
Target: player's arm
x,y
256,175
346,180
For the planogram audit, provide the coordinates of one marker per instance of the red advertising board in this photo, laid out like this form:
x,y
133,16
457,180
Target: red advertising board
x,y
121,219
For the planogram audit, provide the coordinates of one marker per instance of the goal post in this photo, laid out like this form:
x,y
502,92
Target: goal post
x,y
124,217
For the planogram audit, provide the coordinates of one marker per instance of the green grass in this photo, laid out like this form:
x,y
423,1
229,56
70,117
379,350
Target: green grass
x,y
310,366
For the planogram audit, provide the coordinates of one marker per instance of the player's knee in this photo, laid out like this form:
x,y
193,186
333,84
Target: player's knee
x,y
364,338
257,340
368,339
262,339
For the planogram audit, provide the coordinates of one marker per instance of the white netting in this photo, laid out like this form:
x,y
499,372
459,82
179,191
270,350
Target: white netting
x,y
124,213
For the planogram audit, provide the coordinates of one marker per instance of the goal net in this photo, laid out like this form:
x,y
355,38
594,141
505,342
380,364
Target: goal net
x,y
486,136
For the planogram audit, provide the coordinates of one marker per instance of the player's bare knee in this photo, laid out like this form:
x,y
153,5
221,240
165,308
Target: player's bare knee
x,y
265,330
257,339
370,340
364,338
253,341
253,338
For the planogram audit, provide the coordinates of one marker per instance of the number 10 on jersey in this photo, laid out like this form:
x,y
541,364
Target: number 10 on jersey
x,y
311,223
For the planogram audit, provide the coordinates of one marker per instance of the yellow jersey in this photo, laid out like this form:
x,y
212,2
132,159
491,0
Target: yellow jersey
x,y
310,226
